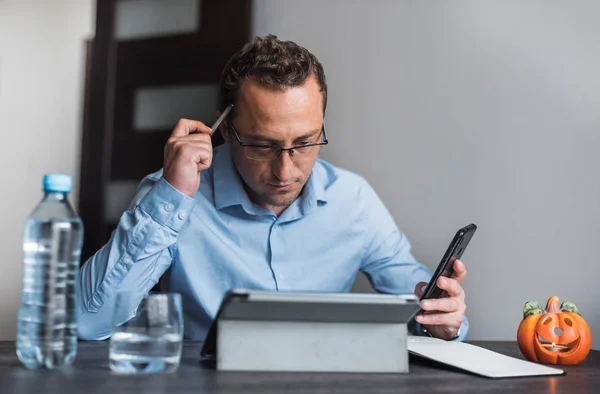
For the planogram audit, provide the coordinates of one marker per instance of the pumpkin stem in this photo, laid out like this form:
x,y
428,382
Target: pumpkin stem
x,y
552,305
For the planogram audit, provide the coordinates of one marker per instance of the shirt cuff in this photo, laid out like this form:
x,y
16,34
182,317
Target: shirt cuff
x,y
416,329
167,205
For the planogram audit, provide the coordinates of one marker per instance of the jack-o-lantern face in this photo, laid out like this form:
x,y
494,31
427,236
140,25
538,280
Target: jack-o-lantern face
x,y
554,335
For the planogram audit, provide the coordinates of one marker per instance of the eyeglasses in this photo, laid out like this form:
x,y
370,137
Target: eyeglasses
x,y
308,150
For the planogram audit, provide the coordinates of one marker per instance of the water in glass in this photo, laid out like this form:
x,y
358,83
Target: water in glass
x,y
132,352
149,341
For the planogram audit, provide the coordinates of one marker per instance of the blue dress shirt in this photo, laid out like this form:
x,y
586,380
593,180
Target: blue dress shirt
x,y
221,240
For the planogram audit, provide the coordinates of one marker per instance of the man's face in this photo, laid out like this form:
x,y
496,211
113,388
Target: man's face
x,y
278,118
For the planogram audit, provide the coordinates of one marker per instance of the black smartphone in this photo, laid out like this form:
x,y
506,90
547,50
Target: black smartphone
x,y
446,267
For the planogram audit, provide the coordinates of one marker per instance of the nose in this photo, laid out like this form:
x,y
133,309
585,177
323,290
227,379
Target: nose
x,y
283,167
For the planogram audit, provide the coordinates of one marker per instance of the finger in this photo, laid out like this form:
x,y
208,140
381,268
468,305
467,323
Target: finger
x,y
460,271
186,126
436,319
420,289
198,152
448,304
181,143
195,137
452,287
184,148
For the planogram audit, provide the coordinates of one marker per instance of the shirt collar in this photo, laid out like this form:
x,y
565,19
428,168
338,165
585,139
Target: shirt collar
x,y
229,187
314,190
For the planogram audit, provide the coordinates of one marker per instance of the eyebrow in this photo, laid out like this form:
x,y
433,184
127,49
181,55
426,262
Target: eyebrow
x,y
260,138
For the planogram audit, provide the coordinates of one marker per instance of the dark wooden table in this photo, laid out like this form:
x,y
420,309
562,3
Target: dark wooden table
x,y
91,375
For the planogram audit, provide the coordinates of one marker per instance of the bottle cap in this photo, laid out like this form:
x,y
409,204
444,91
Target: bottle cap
x,y
60,183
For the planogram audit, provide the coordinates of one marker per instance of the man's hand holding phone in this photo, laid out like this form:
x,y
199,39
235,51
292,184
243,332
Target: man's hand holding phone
x,y
444,316
443,298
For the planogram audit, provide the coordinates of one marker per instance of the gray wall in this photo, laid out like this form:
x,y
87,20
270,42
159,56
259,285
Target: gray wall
x,y
470,111
456,112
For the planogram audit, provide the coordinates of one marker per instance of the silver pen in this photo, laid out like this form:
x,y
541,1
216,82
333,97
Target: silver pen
x,y
221,119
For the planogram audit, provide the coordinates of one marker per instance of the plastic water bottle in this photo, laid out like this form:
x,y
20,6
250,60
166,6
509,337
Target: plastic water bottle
x,y
47,323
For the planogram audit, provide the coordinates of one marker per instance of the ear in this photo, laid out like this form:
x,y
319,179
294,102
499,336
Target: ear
x,y
222,127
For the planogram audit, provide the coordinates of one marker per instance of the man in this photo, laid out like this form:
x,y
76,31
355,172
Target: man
x,y
259,212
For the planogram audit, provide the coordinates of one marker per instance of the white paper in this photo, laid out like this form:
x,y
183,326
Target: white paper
x,y
476,359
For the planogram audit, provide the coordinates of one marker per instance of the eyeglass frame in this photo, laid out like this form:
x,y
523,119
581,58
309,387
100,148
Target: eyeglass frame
x,y
279,150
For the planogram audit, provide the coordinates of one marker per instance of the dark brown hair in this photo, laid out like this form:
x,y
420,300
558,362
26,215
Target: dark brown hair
x,y
272,63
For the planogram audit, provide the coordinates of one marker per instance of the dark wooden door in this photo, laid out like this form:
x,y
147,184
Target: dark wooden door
x,y
132,77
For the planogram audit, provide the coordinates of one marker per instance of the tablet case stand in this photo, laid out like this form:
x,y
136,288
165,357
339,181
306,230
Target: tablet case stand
x,y
328,336
311,346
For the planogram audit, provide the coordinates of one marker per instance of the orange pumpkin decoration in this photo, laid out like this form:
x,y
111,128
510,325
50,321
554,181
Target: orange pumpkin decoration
x,y
554,335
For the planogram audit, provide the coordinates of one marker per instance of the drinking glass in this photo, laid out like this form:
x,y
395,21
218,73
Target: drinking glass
x,y
146,339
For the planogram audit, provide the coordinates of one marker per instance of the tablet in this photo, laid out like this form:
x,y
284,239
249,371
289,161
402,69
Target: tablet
x,y
260,305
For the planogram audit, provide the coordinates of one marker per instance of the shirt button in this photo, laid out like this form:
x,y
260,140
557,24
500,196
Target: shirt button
x,y
181,215
281,276
168,207
127,260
